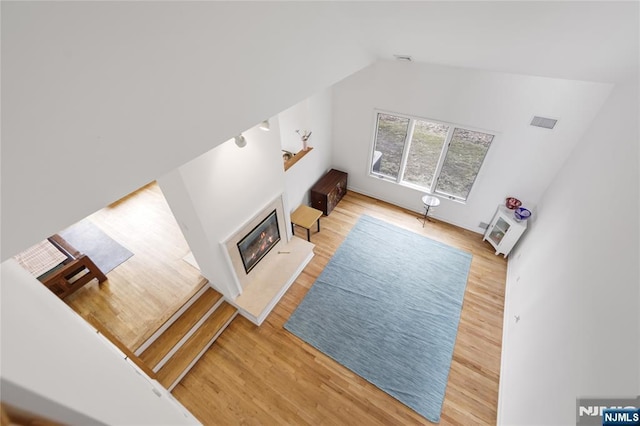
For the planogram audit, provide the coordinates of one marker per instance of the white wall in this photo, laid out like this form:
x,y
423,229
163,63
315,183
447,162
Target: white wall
x,y
215,194
99,98
574,280
522,159
179,200
52,355
314,114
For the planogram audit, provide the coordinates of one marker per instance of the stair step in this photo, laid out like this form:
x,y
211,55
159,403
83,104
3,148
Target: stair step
x,y
176,331
185,357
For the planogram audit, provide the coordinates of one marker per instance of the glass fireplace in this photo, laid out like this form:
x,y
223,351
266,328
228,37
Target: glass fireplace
x,y
257,243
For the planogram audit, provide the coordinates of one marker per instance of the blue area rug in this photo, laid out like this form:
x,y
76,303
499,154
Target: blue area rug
x,y
87,238
387,307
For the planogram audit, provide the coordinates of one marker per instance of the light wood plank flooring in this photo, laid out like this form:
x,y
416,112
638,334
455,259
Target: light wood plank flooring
x,y
143,292
265,375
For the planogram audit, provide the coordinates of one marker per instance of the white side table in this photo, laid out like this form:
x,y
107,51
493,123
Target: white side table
x,y
429,201
504,231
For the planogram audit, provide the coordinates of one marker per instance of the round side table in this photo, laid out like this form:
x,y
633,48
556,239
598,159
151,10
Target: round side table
x,y
429,201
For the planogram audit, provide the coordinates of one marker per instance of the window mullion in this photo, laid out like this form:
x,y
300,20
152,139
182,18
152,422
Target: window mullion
x,y
405,150
443,155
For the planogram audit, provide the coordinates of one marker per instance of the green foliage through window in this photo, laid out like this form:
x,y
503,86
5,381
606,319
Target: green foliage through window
x,y
434,157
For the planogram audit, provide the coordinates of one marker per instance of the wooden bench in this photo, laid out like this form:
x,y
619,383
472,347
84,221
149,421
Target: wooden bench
x,y
73,273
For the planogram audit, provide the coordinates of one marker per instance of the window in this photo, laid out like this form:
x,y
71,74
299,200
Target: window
x,y
390,140
430,156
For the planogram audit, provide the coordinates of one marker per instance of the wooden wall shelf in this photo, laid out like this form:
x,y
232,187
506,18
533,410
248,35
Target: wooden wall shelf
x,y
297,157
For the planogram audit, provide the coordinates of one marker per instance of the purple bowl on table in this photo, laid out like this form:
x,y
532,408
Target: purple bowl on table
x,y
521,214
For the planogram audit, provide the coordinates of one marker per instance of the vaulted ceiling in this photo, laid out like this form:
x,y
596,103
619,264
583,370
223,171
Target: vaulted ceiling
x,y
576,40
99,98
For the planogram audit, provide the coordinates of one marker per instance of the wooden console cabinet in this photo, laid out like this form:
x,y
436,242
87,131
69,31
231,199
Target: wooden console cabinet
x,y
328,191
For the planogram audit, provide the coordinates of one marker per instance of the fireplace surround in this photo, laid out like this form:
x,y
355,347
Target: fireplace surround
x,y
264,260
240,241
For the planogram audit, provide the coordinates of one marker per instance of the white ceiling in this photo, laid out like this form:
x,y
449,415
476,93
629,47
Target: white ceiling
x,y
577,40
143,87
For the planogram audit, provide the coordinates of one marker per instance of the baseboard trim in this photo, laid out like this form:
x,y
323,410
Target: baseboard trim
x,y
433,215
505,326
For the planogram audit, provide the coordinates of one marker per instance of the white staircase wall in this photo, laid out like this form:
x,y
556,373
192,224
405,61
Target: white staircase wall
x,y
68,369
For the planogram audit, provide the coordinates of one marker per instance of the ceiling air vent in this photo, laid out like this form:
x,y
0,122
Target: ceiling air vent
x,y
405,58
547,123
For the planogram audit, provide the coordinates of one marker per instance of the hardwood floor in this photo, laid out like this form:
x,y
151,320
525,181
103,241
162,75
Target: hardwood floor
x,y
265,375
141,293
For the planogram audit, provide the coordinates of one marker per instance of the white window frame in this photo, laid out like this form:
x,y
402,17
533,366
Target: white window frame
x,y
407,146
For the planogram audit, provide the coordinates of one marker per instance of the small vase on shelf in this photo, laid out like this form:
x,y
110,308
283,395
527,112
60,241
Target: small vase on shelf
x,y
304,135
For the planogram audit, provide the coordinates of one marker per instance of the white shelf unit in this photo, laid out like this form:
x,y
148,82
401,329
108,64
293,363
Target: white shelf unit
x,y
504,231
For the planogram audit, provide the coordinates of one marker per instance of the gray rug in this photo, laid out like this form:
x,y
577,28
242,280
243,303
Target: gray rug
x,y
87,238
387,307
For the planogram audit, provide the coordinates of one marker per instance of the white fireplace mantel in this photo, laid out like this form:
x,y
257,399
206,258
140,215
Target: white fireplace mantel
x,y
271,283
268,281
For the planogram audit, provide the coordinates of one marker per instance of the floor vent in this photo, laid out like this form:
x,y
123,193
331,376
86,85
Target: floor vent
x,y
547,123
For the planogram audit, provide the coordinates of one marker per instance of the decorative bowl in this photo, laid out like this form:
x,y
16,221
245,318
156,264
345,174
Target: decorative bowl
x,y
521,214
513,203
